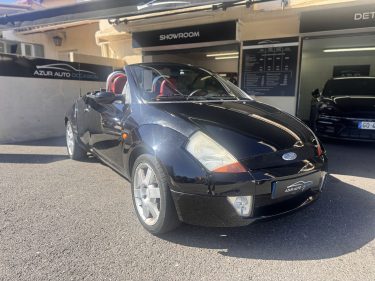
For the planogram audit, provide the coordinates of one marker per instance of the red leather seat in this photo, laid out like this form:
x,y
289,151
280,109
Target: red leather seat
x,y
156,84
168,87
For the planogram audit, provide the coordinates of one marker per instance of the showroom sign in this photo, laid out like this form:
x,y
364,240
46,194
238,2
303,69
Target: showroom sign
x,y
186,35
19,66
174,36
338,19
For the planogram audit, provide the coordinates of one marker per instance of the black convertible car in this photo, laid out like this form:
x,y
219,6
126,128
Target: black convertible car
x,y
196,148
345,109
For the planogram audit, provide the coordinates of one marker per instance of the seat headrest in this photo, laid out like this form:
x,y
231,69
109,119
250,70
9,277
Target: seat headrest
x,y
110,87
119,84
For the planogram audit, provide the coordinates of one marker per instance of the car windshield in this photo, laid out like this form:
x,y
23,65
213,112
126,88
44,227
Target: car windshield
x,y
350,87
174,82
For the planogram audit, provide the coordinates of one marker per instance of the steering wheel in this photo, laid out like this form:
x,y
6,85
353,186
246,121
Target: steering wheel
x,y
194,93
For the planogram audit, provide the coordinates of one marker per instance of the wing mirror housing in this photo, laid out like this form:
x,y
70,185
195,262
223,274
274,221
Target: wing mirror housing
x,y
316,93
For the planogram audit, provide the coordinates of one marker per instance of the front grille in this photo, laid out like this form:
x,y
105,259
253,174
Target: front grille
x,y
356,133
264,205
343,128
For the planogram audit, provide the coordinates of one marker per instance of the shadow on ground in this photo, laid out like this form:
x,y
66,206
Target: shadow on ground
x,y
31,158
59,141
341,221
351,158
39,158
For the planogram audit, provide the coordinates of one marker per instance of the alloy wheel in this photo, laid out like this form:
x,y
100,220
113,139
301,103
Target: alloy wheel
x,y
147,193
69,138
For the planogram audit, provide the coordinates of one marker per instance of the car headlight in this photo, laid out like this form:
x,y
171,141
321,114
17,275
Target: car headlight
x,y
327,108
212,155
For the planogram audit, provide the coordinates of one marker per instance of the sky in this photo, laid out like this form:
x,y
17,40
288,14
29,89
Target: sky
x,y
7,1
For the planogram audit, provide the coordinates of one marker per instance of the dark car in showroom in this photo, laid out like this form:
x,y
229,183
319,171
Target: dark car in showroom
x,y
345,109
196,148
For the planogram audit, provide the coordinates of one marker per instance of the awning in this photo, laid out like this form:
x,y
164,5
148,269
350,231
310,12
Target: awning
x,y
110,9
12,9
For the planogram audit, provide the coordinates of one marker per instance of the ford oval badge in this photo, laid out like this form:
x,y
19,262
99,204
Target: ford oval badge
x,y
289,156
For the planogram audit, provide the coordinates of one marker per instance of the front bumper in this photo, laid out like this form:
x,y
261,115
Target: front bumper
x,y
345,128
216,210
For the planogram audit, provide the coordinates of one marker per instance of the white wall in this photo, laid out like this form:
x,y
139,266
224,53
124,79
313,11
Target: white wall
x,y
33,108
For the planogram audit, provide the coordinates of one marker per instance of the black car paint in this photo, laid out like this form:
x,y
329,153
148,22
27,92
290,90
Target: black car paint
x,y
337,116
256,134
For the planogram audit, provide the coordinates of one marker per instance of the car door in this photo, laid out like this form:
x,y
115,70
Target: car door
x,y
83,113
108,141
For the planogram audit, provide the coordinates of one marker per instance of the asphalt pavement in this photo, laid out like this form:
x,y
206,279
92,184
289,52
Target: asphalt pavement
x,y
68,220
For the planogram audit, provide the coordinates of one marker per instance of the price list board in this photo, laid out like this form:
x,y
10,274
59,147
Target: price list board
x,y
270,69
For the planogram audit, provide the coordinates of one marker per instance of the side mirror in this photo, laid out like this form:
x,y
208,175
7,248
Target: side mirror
x,y
316,93
107,97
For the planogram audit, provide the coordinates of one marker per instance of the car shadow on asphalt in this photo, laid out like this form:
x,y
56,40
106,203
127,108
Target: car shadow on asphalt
x,y
31,158
40,158
58,142
340,222
351,158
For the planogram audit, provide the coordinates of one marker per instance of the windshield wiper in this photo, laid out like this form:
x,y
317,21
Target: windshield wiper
x,y
193,98
169,98
221,98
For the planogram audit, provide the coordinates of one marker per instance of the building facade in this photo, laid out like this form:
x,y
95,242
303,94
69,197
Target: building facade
x,y
277,51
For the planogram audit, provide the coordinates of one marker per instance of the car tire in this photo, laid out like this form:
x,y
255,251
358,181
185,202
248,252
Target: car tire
x,y
75,152
151,192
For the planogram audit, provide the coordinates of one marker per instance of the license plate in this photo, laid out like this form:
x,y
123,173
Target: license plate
x,y
295,186
364,125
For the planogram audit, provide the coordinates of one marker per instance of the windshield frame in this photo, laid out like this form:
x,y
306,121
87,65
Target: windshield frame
x,y
334,84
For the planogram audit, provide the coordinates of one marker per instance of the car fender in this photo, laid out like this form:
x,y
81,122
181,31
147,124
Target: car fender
x,y
168,146
71,115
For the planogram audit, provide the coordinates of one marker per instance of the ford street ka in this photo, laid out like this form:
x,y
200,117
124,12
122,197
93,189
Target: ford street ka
x,y
196,148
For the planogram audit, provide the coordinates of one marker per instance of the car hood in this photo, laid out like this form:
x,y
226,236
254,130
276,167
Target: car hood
x,y
244,128
353,106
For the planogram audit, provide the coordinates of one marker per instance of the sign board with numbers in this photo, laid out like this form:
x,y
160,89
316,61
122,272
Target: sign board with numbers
x,y
269,67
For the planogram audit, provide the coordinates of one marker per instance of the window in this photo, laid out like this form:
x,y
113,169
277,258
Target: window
x,y
349,87
38,51
28,50
13,48
127,93
20,48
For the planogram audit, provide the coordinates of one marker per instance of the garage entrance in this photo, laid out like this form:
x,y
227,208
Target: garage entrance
x,y
328,57
219,59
